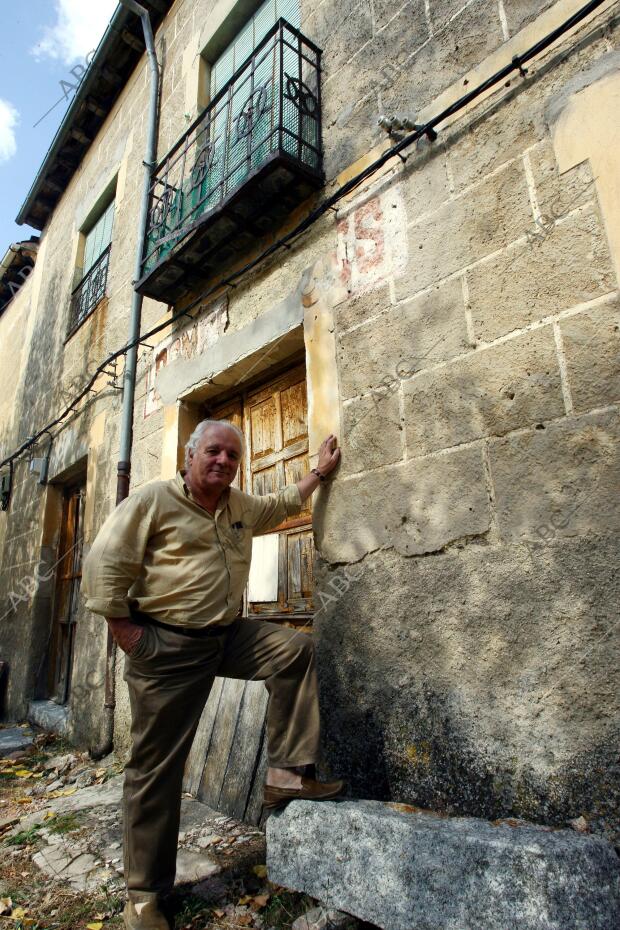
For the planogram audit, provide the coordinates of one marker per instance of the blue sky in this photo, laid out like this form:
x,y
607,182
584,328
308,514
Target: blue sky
x,y
42,40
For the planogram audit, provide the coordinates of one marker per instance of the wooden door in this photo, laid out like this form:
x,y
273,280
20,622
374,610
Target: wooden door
x,y
66,600
227,764
276,430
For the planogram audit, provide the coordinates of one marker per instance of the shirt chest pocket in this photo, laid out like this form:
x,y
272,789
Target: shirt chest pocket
x,y
238,538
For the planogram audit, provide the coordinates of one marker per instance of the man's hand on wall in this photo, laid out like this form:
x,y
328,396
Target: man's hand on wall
x,y
126,633
329,455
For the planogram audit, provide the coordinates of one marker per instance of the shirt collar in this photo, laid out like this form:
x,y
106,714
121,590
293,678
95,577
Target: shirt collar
x,y
221,504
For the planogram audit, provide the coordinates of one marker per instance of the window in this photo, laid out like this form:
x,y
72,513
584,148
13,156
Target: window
x,y
251,95
251,156
96,244
99,238
274,421
235,54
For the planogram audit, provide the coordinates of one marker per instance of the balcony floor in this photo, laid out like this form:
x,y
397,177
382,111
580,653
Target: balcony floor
x,y
232,229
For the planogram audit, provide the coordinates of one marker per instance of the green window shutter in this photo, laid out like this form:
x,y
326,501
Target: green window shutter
x,y
99,238
250,36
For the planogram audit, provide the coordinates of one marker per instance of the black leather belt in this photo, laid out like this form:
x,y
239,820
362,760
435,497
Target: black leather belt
x,y
213,629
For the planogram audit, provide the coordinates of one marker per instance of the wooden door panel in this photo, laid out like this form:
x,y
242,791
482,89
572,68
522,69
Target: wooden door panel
x,y
295,468
265,481
294,407
300,564
246,745
195,764
280,455
263,428
221,742
66,596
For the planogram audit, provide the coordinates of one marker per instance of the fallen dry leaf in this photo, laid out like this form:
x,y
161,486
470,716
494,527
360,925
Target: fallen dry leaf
x,y
18,914
244,899
49,815
24,800
97,925
23,773
62,793
260,871
260,900
218,912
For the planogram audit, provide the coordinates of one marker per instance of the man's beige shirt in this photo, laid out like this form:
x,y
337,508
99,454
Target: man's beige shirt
x,y
160,552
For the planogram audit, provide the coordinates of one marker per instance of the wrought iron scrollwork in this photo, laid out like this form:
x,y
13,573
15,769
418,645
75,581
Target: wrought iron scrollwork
x,y
259,121
205,160
90,290
160,211
254,107
301,95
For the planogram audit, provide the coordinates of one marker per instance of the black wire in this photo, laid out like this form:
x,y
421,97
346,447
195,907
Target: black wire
x,y
517,64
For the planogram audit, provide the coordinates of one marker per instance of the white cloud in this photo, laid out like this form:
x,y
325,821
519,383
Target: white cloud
x,y
9,118
78,28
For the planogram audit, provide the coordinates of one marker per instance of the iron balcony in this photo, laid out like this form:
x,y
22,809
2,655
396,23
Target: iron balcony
x,y
88,293
240,169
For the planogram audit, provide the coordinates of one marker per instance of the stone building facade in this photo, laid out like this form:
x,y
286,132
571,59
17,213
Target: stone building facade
x,y
453,319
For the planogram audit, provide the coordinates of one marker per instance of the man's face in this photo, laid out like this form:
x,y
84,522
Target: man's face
x,y
214,463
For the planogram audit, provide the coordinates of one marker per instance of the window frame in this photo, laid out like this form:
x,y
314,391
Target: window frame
x,y
99,268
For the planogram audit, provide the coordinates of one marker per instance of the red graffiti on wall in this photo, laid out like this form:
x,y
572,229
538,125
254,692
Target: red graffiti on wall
x,y
361,245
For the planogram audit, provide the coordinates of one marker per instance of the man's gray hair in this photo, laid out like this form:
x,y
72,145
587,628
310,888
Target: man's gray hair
x,y
194,439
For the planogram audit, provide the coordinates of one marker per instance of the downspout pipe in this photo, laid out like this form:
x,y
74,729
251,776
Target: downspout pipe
x,y
131,357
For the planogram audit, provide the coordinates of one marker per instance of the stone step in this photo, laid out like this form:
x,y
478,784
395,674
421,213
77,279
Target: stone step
x,y
405,869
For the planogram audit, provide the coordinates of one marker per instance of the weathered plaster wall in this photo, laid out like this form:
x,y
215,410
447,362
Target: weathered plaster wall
x,y
469,540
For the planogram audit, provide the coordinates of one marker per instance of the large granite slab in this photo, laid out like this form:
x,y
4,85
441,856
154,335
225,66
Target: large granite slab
x,y
405,869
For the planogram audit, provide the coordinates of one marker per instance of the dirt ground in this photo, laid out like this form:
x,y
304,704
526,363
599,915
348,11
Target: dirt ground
x,y
61,852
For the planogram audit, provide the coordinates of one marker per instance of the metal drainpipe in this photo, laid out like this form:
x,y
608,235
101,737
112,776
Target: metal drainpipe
x,y
129,376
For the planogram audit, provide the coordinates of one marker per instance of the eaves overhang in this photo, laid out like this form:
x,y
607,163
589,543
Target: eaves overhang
x,y
117,55
15,268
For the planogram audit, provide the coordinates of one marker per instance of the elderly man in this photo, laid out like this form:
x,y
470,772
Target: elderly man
x,y
168,570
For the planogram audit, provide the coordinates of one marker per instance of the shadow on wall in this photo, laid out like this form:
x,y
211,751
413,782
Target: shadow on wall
x,y
477,677
52,375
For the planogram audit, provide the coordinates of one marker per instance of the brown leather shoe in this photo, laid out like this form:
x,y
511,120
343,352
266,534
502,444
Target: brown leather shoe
x,y
310,790
144,915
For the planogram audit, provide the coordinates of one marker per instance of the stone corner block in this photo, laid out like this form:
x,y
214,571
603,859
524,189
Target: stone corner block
x,y
406,869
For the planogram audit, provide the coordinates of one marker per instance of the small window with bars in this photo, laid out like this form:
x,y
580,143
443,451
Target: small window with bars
x,y
93,273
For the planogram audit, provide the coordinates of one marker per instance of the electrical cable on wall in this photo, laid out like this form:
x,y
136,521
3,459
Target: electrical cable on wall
x,y
428,129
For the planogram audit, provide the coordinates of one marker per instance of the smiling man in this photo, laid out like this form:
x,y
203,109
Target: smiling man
x,y
168,570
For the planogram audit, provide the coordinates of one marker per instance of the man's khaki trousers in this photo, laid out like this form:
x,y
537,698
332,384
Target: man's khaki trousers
x,y
169,676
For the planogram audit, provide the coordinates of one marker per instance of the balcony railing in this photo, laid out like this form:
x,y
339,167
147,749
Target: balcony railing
x,y
89,291
250,157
